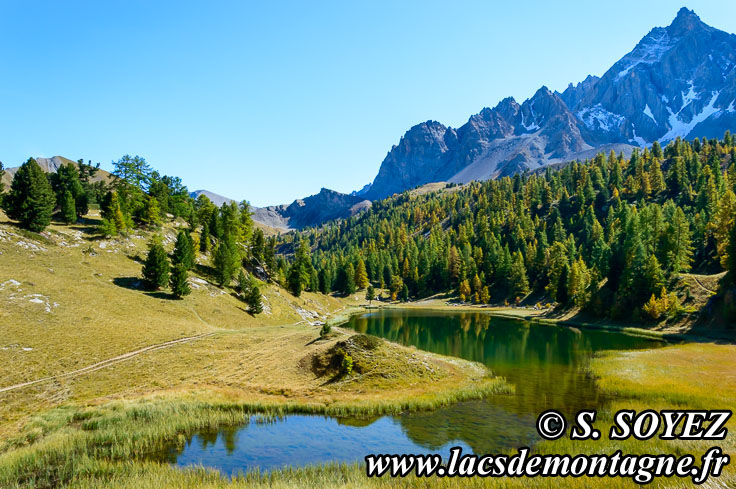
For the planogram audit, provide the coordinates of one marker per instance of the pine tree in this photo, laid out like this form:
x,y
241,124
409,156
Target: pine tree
x,y
183,252
731,254
404,294
300,272
253,298
66,179
204,238
325,281
30,200
678,243
578,283
151,214
656,179
485,295
370,294
295,279
243,283
722,223
464,290
361,277
563,296
178,281
68,210
518,279
258,247
156,267
226,260
349,284
114,221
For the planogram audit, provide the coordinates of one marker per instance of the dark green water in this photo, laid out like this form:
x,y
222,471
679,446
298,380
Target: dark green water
x,y
546,364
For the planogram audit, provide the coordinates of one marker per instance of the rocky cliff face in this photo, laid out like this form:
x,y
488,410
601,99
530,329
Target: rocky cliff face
x,y
679,81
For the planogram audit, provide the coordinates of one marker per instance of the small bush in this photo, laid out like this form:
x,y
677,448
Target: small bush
x,y
347,364
326,329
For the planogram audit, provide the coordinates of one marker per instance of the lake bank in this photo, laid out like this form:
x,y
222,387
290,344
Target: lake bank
x,y
542,316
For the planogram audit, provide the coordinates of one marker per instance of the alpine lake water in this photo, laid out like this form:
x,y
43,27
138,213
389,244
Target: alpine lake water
x,y
546,364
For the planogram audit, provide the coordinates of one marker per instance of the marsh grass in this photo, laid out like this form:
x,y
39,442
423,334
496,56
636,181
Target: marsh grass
x,y
69,443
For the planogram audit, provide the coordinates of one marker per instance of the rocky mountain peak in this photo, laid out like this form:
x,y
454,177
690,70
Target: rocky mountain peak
x,y
685,22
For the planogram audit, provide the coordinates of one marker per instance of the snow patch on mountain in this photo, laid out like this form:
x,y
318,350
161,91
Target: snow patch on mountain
x,y
648,51
597,116
531,127
638,139
690,95
680,128
648,113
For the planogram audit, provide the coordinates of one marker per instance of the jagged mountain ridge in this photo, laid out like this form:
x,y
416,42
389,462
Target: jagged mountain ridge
x,y
679,81
311,211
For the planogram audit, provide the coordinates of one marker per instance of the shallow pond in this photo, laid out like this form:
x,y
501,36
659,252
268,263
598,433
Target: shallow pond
x,y
546,364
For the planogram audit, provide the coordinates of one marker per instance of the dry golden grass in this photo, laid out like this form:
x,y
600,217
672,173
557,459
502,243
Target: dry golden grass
x,y
69,300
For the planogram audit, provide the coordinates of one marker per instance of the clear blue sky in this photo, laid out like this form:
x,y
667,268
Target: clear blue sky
x,y
269,101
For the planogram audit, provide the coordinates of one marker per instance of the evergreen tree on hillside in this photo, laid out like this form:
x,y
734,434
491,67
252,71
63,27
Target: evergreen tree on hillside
x,y
66,179
183,252
294,280
68,210
2,174
226,260
361,277
151,214
404,294
518,279
258,247
243,283
300,272
204,238
370,294
345,281
156,267
114,220
731,254
30,200
253,298
178,282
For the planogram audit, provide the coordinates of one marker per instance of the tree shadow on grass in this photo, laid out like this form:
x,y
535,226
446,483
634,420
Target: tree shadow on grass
x,y
135,283
132,283
160,294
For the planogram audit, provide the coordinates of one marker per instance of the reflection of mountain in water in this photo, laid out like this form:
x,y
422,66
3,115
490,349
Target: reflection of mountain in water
x,y
544,363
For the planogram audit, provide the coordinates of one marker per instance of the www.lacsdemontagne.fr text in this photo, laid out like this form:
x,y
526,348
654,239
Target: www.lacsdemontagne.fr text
x,y
642,469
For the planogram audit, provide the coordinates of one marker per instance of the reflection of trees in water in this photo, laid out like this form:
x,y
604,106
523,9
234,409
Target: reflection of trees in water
x,y
484,426
544,363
